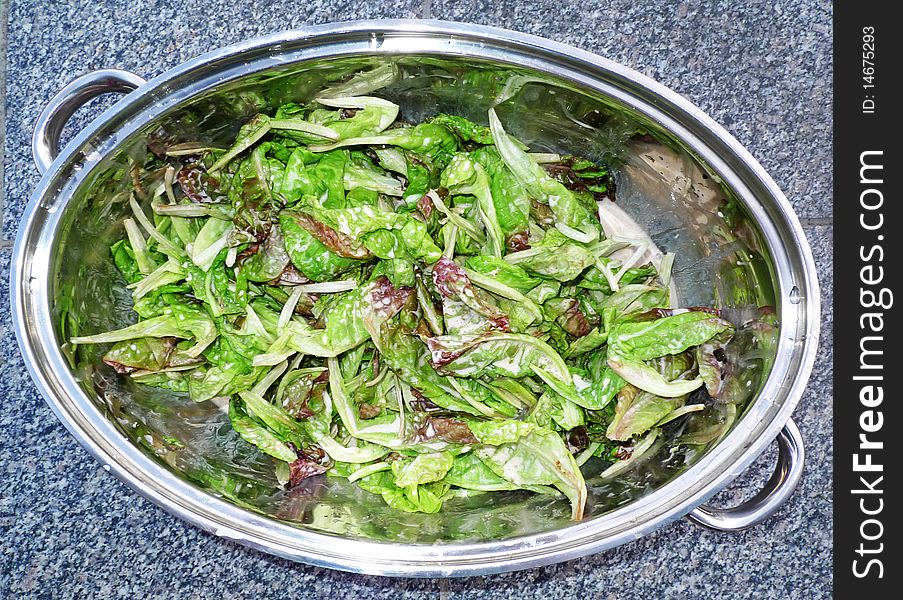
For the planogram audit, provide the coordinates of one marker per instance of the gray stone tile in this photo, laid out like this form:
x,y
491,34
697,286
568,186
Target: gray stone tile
x,y
761,69
4,9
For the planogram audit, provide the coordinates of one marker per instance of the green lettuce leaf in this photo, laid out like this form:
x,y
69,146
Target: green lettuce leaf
x,y
555,256
539,458
256,434
308,254
670,335
423,468
572,216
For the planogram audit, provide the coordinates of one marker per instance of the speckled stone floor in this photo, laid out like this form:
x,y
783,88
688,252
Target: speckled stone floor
x,y
762,69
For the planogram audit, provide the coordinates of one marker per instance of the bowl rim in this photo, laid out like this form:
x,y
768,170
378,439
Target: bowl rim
x,y
45,363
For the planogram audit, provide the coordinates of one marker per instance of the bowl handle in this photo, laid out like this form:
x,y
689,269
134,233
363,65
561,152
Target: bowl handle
x,y
779,488
49,126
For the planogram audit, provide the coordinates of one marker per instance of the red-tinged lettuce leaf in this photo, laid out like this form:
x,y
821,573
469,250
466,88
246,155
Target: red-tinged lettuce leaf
x,y
292,276
445,349
452,282
311,461
576,439
269,261
714,368
308,254
447,429
408,357
421,403
574,321
148,354
496,354
449,278
581,175
302,469
335,241
387,299
567,313
198,185
747,359
518,241
295,391
353,318
425,206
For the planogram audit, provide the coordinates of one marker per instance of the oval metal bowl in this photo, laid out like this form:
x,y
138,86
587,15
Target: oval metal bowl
x,y
677,172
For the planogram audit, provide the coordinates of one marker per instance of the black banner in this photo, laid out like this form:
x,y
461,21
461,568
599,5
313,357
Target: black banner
x,y
868,55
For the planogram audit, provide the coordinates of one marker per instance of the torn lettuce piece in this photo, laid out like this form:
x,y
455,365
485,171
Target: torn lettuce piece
x,y
572,217
124,259
594,392
352,319
430,139
147,354
669,335
257,434
425,498
385,234
465,129
305,242
539,458
505,273
495,433
423,468
453,283
495,354
178,320
648,379
555,257
408,358
464,176
512,203
270,260
371,115
638,411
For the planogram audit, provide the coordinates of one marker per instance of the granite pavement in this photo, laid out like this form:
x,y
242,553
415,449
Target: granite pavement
x,y
762,69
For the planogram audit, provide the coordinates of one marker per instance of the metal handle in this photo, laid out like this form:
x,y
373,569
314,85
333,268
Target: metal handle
x,y
779,488
46,139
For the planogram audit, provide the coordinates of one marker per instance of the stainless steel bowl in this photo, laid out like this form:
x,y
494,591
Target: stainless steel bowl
x,y
675,169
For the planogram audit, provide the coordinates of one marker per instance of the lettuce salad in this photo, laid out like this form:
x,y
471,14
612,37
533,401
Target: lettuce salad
x,y
425,309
